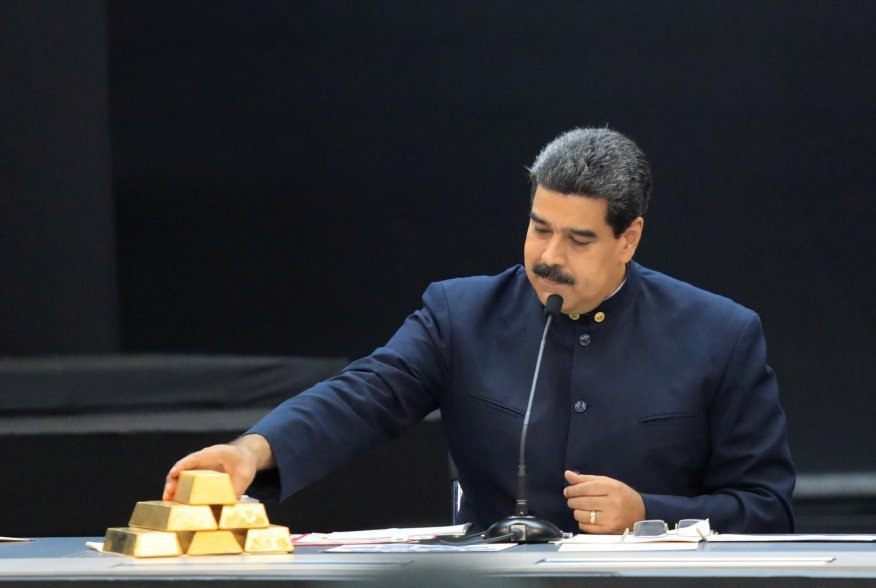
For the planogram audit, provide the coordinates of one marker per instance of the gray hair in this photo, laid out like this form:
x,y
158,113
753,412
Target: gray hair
x,y
597,163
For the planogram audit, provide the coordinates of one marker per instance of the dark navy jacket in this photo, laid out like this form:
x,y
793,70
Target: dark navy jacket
x,y
669,393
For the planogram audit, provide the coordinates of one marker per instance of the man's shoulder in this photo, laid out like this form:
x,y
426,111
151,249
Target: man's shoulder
x,y
486,292
665,290
511,277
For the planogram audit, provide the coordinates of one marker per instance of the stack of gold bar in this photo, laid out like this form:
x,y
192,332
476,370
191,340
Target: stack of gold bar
x,y
204,518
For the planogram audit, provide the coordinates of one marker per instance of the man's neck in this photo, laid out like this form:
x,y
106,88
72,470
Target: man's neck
x,y
623,280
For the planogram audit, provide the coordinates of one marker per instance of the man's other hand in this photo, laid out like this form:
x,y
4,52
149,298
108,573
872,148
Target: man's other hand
x,y
603,505
240,459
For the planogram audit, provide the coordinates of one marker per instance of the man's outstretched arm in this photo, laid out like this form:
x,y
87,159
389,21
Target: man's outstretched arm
x,y
240,459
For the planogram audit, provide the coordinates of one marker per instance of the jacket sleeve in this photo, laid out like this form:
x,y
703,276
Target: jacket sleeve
x,y
749,478
373,399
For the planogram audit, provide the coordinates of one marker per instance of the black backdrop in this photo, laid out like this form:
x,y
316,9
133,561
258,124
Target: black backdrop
x,y
287,177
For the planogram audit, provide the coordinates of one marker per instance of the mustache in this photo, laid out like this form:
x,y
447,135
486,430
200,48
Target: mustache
x,y
552,272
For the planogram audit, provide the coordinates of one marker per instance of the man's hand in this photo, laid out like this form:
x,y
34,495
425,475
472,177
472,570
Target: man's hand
x,y
616,505
240,459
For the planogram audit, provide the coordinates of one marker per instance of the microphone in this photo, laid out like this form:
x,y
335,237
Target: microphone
x,y
523,528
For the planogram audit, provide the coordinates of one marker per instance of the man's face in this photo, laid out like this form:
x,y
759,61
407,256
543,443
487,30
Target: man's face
x,y
571,250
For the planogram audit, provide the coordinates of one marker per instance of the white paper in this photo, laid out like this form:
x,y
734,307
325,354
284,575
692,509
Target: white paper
x,y
393,535
420,548
594,547
628,539
98,546
731,538
665,561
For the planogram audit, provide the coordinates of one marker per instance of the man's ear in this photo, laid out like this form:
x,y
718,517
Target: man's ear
x,y
630,238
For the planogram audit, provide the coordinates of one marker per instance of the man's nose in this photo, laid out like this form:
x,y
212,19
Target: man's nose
x,y
554,253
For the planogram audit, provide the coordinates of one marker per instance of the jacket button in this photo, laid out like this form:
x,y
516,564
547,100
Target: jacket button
x,y
584,339
580,406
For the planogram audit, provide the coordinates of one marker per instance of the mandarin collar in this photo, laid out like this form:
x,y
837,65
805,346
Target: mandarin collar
x,y
612,306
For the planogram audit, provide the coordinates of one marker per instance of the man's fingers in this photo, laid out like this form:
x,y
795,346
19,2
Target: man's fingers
x,y
591,489
578,478
588,503
593,521
240,485
169,490
215,458
237,462
572,477
170,481
586,489
584,516
205,459
602,505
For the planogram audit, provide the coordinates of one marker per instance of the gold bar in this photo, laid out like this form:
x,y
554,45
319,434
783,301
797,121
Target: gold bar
x,y
204,487
172,516
273,539
141,542
243,515
209,542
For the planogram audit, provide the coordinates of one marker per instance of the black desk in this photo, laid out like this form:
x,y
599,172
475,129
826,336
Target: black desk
x,y
54,561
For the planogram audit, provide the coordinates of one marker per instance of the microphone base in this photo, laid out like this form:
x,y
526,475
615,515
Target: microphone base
x,y
526,529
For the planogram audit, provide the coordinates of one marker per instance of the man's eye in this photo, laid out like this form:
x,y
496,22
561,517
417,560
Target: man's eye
x,y
541,231
578,243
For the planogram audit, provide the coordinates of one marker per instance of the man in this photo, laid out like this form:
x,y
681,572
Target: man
x,y
654,399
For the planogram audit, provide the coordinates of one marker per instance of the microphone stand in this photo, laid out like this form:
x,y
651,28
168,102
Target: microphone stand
x,y
523,527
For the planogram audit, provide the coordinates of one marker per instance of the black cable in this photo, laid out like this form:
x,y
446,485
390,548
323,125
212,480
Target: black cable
x,y
477,539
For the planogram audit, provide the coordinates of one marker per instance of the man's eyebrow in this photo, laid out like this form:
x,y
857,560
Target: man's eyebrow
x,y
586,233
583,233
537,218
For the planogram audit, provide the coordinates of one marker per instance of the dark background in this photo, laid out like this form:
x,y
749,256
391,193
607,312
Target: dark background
x,y
275,178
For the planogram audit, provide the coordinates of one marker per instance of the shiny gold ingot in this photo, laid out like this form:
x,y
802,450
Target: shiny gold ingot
x,y
141,542
204,487
243,515
272,539
172,516
209,542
